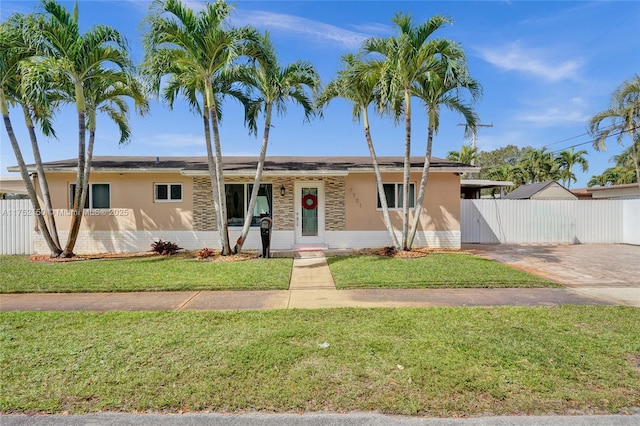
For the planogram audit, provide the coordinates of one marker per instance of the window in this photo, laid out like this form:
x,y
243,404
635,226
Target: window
x,y
238,196
99,196
394,195
167,192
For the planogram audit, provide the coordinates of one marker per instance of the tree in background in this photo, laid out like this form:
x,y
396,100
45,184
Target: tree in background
x,y
566,159
539,164
466,155
621,119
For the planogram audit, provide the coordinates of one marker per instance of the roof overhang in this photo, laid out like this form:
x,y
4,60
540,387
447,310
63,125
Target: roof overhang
x,y
484,183
12,185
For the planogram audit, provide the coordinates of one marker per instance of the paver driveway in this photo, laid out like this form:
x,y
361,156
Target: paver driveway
x,y
606,271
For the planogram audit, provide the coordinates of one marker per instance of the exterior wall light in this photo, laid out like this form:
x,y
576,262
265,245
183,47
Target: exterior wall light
x,y
282,190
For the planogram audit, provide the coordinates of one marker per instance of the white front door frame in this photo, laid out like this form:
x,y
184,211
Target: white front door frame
x,y
298,213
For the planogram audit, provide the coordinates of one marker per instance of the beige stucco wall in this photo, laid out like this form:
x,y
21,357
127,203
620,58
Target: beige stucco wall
x,y
132,203
441,207
350,202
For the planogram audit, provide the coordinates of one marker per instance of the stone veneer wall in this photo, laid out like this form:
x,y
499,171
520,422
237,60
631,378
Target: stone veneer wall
x,y
204,218
334,186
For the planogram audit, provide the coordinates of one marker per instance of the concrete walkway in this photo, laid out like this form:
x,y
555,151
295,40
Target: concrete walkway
x,y
312,286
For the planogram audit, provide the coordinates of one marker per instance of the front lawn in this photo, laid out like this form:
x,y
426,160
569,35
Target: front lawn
x,y
157,273
436,270
436,362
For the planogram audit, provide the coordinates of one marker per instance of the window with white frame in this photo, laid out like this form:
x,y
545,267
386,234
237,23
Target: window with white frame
x,y
167,192
395,196
238,196
99,196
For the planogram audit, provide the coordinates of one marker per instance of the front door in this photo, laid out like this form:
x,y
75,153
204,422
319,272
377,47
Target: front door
x,y
309,212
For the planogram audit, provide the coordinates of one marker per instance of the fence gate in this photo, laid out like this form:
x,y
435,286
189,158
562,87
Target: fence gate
x,y
16,227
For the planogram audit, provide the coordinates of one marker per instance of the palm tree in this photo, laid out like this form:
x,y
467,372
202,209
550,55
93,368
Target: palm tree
x,y
405,59
439,88
566,159
195,49
16,50
72,59
613,176
107,94
507,172
622,117
539,164
275,85
466,155
357,83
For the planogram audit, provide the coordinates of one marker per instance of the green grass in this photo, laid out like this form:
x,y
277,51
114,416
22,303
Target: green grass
x,y
436,362
436,270
156,273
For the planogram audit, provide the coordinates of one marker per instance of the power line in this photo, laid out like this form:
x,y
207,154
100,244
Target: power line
x,y
593,140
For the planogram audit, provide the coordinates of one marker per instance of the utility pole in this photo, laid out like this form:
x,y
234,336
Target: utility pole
x,y
473,140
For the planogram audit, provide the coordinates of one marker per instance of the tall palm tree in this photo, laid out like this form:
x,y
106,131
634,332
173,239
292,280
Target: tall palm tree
x,y
72,59
16,50
195,47
358,84
274,86
106,94
406,58
622,119
566,159
437,89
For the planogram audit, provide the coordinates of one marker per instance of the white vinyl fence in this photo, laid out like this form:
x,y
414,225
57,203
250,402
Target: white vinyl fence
x,y
16,227
550,221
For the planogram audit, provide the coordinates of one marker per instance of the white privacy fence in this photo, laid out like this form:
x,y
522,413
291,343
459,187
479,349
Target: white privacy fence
x,y
550,221
16,227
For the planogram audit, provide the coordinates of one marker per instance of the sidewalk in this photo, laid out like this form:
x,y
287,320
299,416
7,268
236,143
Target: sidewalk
x,y
311,287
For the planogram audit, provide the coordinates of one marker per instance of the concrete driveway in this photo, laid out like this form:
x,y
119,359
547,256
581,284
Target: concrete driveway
x,y
608,272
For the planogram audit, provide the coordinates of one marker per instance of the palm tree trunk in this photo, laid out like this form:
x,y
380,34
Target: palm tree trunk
x,y
256,181
55,250
634,150
423,186
212,168
407,171
78,208
44,186
376,169
87,166
216,164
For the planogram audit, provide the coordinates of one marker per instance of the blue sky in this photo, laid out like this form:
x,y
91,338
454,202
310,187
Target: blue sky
x,y
545,68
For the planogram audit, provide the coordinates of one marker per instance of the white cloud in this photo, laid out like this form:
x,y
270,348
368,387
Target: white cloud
x,y
301,27
574,110
535,61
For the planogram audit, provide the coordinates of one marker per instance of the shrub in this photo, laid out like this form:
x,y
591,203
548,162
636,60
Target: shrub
x,y
165,248
205,253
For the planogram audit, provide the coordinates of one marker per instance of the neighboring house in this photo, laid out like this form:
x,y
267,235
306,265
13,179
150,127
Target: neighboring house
x,y
628,191
472,188
12,187
549,190
326,202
